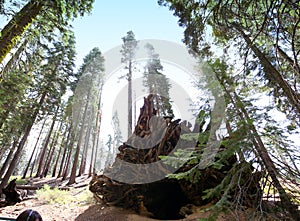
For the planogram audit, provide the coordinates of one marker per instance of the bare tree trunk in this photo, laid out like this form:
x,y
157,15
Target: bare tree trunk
x,y
53,147
86,142
134,109
21,144
36,159
8,158
70,143
59,152
96,134
96,154
92,158
261,151
130,99
85,148
76,157
276,77
43,152
33,151
67,165
17,26
65,145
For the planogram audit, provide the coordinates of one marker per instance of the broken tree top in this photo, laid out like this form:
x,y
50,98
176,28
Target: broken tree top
x,y
138,158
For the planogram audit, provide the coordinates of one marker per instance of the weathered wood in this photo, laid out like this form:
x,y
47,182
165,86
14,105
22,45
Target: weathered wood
x,y
154,137
30,187
12,195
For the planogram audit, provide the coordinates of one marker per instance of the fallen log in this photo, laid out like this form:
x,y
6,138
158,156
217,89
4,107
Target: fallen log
x,y
30,187
138,177
12,194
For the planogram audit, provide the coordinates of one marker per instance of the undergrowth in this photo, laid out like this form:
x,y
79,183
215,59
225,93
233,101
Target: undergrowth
x,y
19,180
57,196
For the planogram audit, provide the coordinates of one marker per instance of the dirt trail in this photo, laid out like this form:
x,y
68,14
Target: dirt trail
x,y
74,211
91,212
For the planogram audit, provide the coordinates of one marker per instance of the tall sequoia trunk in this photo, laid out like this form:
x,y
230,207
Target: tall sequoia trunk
x,y
70,144
10,64
130,99
8,158
96,135
51,153
86,144
18,25
22,143
67,165
276,77
261,150
65,146
76,157
59,152
43,152
33,151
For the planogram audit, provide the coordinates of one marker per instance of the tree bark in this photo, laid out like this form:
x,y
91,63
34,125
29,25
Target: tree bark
x,y
70,143
59,152
261,151
65,145
86,144
96,134
276,77
130,99
8,158
51,153
22,143
43,152
76,157
18,25
67,165
33,151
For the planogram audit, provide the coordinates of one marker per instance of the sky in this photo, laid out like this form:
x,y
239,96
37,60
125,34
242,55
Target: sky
x,y
109,21
104,28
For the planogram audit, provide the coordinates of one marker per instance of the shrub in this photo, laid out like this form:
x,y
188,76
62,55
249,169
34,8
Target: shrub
x,y
56,196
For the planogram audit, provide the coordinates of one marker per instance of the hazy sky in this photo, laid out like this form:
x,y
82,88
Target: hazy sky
x,y
105,27
110,21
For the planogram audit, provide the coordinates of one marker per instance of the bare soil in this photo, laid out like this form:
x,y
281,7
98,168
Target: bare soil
x,y
92,212
85,212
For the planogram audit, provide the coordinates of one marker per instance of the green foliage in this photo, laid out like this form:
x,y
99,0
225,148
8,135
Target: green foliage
x,y
56,196
157,83
180,158
129,48
19,180
88,86
252,32
193,175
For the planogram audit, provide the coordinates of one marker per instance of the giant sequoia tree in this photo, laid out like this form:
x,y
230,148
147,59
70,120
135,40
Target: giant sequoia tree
x,y
261,38
157,83
64,10
35,78
90,82
128,51
262,31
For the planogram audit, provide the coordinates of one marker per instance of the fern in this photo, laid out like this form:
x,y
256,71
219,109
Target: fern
x,y
193,175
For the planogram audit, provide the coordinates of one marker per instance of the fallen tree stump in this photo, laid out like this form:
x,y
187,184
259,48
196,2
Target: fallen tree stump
x,y
138,177
12,194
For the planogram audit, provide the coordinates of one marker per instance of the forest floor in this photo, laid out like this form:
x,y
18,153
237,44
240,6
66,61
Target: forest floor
x,y
80,210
